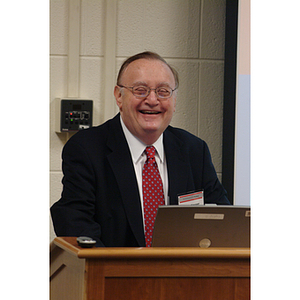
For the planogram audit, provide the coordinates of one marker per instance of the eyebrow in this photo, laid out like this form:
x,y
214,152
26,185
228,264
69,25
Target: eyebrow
x,y
137,83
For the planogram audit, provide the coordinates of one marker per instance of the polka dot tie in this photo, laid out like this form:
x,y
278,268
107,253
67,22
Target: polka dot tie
x,y
153,195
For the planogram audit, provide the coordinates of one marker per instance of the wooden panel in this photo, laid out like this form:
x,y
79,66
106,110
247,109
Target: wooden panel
x,y
176,288
140,273
94,280
66,276
173,267
243,288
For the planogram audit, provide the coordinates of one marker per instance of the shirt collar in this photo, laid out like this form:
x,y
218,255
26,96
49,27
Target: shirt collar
x,y
137,147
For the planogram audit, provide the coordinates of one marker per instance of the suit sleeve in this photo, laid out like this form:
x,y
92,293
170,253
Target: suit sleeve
x,y
73,214
214,191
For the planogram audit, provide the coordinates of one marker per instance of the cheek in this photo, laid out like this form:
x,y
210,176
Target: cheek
x,y
129,108
124,104
170,108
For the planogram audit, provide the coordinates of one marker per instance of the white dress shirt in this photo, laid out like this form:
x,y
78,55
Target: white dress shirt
x,y
137,148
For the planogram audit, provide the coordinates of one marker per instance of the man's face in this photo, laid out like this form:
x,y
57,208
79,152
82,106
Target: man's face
x,y
148,117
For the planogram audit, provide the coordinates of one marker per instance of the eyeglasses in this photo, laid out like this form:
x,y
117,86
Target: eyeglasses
x,y
162,92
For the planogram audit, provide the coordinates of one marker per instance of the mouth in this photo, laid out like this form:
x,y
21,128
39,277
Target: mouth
x,y
149,112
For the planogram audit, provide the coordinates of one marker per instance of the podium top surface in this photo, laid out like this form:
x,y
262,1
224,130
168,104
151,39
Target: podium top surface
x,y
70,245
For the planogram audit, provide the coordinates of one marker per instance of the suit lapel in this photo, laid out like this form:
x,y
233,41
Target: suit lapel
x,y
178,168
122,166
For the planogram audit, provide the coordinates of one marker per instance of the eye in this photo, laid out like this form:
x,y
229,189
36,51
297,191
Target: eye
x,y
163,92
140,90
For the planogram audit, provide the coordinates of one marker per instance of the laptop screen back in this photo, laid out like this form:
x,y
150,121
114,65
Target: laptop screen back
x,y
202,226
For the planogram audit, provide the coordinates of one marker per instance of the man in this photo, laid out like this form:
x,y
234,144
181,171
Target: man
x,y
103,186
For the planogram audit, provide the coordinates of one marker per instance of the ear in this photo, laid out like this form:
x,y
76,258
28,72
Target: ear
x,y
118,96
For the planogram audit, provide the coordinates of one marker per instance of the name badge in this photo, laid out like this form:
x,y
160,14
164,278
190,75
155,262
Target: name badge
x,y
194,198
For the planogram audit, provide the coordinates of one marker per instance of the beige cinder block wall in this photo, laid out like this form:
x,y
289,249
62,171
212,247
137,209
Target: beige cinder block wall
x,y
89,39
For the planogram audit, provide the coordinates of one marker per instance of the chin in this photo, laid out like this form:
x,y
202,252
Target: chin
x,y
152,127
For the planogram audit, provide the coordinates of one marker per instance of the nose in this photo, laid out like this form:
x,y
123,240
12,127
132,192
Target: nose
x,y
152,98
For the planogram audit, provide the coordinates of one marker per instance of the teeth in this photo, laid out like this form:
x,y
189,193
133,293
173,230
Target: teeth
x,y
150,112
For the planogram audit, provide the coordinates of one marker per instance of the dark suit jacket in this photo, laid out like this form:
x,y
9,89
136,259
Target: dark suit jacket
x,y
100,197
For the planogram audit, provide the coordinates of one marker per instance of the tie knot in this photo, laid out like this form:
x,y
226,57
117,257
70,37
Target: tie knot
x,y
150,151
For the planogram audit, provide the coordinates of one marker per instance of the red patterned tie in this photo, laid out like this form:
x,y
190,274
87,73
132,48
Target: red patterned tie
x,y
153,195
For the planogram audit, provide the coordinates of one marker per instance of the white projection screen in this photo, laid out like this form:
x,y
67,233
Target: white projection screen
x,y
241,194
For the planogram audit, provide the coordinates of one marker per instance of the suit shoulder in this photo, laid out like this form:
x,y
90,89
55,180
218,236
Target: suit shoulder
x,y
87,135
184,135
93,134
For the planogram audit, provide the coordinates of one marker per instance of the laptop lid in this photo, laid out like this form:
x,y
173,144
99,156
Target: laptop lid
x,y
202,226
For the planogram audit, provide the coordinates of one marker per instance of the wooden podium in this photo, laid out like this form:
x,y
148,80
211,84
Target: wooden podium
x,y
147,273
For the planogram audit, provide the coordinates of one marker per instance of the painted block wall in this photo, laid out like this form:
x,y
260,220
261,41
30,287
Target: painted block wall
x,y
189,34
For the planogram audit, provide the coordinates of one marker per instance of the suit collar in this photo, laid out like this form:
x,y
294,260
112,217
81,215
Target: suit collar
x,y
177,166
137,147
121,164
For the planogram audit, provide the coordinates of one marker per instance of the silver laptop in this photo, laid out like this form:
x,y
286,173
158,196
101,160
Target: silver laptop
x,y
202,226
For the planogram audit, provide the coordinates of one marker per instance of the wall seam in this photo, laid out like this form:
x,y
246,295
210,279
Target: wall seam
x,y
110,57
74,48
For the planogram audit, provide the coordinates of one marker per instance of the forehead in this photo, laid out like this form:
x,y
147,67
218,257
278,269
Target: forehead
x,y
149,71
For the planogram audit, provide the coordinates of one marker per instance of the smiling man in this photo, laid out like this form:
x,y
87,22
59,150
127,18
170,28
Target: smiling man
x,y
116,174
143,111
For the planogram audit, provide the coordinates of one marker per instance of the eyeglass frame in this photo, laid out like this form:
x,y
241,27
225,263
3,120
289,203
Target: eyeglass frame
x,y
130,88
